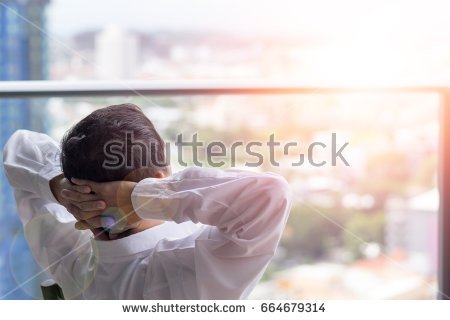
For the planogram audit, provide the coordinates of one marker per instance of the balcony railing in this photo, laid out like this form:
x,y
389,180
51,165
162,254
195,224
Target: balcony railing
x,y
26,89
15,89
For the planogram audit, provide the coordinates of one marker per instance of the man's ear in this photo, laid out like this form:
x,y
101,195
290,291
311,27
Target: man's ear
x,y
142,173
160,174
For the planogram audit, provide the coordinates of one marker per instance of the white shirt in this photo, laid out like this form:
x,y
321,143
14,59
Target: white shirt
x,y
221,230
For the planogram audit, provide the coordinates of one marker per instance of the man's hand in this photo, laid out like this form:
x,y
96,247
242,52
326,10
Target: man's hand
x,y
75,197
116,194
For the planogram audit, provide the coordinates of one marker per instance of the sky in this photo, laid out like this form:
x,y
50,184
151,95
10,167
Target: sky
x,y
422,19
67,16
352,39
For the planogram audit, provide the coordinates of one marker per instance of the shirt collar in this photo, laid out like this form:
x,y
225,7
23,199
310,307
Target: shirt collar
x,y
142,241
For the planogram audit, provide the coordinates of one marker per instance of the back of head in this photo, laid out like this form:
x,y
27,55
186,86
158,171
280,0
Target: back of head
x,y
114,143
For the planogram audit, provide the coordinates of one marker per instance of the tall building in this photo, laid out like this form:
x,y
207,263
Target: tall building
x,y
412,227
116,53
22,57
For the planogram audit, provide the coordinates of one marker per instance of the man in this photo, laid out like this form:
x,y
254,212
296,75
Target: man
x,y
196,234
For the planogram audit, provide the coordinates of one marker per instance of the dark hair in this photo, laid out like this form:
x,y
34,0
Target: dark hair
x,y
113,143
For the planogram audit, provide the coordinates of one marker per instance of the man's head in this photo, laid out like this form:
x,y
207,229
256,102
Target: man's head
x,y
114,143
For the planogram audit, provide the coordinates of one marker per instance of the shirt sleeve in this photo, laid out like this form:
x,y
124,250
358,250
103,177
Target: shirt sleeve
x,y
247,213
30,161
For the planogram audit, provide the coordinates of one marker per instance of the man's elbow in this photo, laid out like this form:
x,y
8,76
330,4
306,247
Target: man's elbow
x,y
273,212
280,190
275,201
16,139
14,151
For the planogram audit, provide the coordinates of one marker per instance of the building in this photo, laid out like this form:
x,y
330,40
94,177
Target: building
x,y
22,57
116,53
413,227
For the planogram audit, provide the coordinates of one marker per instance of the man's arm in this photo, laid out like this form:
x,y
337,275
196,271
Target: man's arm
x,y
31,161
247,212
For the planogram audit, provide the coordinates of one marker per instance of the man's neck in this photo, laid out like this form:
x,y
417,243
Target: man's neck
x,y
141,226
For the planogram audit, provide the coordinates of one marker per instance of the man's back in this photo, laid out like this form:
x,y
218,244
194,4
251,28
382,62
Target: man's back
x,y
222,230
140,267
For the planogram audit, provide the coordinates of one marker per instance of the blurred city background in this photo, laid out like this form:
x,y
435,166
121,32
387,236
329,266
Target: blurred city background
x,y
363,231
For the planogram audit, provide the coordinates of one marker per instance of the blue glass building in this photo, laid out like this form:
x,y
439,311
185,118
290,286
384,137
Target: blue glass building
x,y
22,57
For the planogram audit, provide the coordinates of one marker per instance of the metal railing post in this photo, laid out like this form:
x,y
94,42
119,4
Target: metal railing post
x,y
444,191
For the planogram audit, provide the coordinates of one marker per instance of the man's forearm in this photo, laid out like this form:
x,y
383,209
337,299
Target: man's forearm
x,y
212,197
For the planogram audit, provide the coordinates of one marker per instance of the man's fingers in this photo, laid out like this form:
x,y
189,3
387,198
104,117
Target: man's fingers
x,y
80,182
83,202
86,215
82,225
97,222
81,189
90,205
93,222
83,215
77,196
